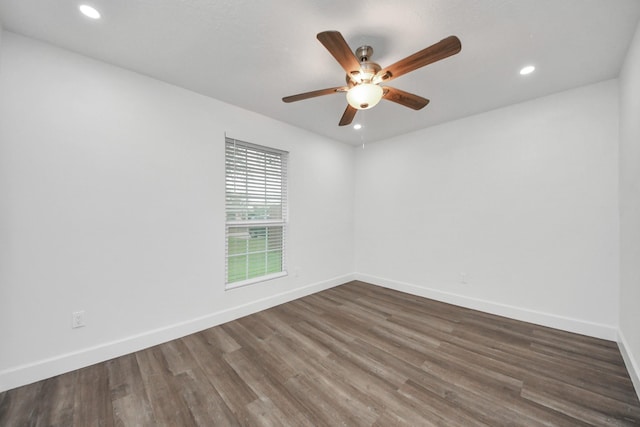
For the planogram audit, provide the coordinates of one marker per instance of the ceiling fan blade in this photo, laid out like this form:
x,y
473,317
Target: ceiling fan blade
x,y
443,49
404,98
348,116
338,47
315,93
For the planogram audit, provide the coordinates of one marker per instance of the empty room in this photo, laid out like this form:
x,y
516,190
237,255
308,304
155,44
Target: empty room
x,y
319,213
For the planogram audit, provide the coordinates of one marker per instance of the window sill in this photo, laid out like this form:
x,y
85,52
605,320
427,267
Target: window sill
x,y
235,285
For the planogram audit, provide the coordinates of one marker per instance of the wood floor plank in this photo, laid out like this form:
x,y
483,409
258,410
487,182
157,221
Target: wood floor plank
x,y
208,356
132,410
354,355
205,404
124,377
578,402
92,405
522,357
219,339
177,357
403,342
317,402
19,405
261,383
259,329
352,405
380,394
281,368
313,348
58,401
444,412
580,358
263,412
168,406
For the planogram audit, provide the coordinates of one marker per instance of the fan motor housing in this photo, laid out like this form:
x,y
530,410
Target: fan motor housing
x,y
368,69
363,53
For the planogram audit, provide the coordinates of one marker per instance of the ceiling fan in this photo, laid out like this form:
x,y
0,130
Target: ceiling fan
x,y
364,77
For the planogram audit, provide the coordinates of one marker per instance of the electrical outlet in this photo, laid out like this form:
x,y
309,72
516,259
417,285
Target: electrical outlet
x,y
77,319
463,278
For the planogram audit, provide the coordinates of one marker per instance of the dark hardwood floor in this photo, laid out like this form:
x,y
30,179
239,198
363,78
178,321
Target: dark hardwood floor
x,y
354,355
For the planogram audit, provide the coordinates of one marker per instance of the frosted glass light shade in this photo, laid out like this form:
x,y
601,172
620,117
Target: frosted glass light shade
x,y
364,96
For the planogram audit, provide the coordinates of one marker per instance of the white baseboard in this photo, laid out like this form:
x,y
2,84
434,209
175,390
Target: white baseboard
x,y
29,373
47,368
630,362
583,327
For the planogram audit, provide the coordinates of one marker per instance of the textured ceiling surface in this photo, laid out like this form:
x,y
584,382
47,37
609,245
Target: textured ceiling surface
x,y
252,53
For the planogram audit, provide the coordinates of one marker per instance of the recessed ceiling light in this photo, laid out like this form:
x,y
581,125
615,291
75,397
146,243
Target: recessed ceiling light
x,y
89,11
527,70
357,126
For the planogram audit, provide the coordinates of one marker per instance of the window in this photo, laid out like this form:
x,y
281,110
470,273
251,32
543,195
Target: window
x,y
256,210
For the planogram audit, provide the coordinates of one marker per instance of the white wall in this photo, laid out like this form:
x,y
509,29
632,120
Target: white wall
x,y
523,200
630,210
112,202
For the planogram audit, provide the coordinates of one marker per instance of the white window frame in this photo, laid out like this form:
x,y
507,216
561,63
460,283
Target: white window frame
x,y
241,186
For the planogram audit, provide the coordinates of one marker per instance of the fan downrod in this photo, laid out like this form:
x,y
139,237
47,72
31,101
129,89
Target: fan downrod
x,y
363,53
368,69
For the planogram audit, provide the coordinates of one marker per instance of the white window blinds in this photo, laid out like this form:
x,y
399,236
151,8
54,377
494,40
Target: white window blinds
x,y
256,210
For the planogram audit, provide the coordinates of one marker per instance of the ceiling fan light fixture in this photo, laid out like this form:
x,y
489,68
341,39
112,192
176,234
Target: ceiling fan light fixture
x,y
363,78
364,96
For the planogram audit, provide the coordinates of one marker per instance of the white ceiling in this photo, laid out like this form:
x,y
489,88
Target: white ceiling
x,y
251,53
